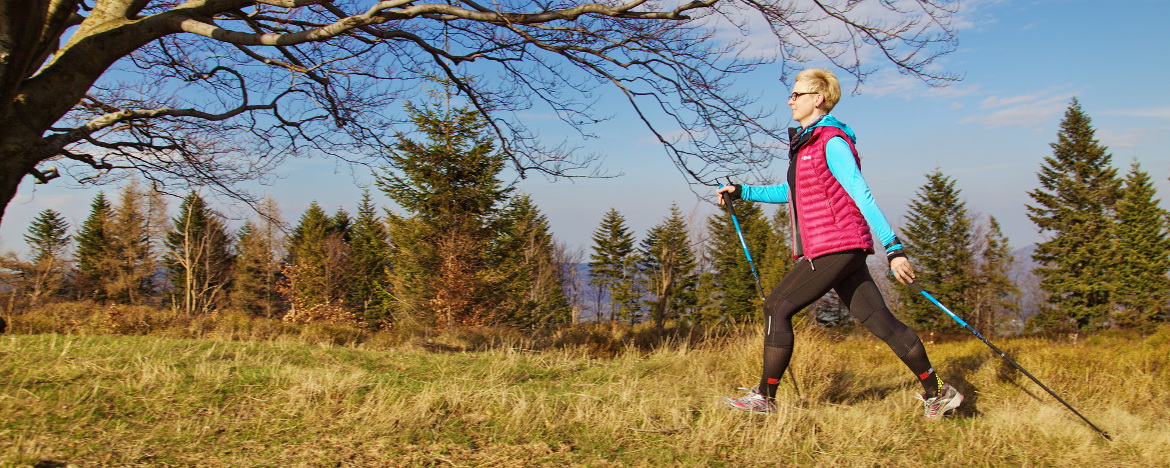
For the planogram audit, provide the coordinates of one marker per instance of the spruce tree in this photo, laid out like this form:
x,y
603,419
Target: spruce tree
x,y
628,290
47,238
939,241
776,258
524,265
369,248
1074,211
341,223
257,270
449,186
306,275
613,245
198,257
1143,249
729,289
994,290
92,244
668,264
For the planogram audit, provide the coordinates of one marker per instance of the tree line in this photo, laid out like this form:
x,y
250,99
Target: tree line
x,y
467,250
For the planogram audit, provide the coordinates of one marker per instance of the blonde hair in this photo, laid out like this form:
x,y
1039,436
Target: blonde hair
x,y
822,82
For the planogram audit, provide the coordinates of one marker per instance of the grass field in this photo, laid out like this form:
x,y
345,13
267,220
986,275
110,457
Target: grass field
x,y
105,400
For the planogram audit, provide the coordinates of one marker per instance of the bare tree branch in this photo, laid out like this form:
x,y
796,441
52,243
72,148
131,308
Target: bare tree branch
x,y
214,92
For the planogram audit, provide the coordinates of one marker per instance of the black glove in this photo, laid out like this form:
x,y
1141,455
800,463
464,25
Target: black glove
x,y
734,194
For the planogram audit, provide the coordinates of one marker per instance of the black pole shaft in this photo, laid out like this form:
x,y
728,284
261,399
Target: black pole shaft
x,y
1011,361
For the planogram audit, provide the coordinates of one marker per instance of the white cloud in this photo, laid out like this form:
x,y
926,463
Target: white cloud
x,y
972,14
890,83
1029,110
1128,138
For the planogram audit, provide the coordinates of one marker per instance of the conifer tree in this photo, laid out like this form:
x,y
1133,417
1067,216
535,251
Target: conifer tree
x,y
130,259
198,257
449,185
92,244
776,259
613,245
1074,211
47,238
256,274
627,291
527,270
993,289
668,264
729,288
1143,249
341,223
369,248
940,244
308,259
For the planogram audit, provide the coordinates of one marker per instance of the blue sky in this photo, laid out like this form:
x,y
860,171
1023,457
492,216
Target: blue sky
x,y
1022,62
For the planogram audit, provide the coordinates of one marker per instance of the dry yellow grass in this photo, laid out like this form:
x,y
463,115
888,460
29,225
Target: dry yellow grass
x,y
155,401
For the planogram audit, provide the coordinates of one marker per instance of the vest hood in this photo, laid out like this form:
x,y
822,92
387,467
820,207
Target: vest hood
x,y
826,120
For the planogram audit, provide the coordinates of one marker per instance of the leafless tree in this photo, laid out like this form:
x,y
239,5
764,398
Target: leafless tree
x,y
213,92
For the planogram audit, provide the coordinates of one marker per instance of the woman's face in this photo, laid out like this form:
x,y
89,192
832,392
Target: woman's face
x,y
804,103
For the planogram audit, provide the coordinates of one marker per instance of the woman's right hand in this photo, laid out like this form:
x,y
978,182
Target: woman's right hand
x,y
728,189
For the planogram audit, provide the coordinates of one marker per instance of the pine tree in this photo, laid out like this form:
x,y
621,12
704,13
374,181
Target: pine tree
x,y
450,187
939,242
668,264
47,238
729,289
369,248
613,245
993,289
130,260
1144,250
526,269
92,244
1074,209
198,257
256,273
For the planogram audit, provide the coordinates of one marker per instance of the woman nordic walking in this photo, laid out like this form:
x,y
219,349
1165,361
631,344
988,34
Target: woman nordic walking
x,y
831,212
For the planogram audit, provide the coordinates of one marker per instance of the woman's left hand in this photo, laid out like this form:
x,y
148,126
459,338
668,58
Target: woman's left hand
x,y
902,270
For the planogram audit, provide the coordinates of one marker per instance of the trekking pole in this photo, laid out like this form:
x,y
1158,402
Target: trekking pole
x,y
759,289
1011,361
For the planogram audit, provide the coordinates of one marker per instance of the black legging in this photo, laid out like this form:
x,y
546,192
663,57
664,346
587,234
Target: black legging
x,y
845,273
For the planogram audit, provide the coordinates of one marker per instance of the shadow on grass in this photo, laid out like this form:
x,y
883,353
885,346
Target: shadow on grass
x,y
955,372
842,388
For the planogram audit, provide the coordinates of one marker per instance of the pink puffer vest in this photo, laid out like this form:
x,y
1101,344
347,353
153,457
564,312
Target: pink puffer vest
x,y
828,218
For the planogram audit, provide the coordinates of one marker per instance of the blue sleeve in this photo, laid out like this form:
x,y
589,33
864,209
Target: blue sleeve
x,y
844,168
765,193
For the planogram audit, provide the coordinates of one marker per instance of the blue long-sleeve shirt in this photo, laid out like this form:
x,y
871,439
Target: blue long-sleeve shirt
x,y
844,168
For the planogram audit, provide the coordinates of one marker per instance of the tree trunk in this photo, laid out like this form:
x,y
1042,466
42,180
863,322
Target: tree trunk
x,y
15,162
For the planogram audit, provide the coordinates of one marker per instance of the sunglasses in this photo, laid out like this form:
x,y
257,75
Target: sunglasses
x,y
796,95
